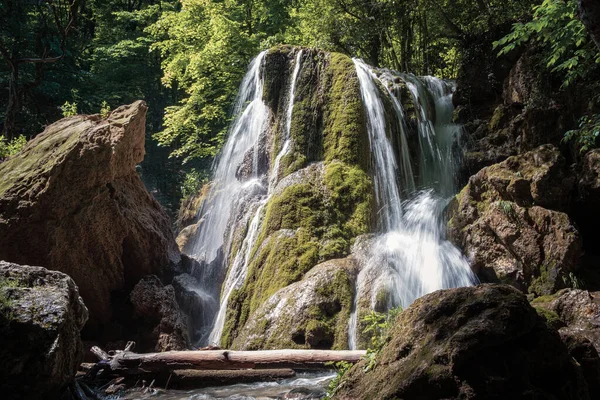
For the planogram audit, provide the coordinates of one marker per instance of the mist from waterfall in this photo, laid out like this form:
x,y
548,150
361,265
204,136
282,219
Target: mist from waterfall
x,y
410,256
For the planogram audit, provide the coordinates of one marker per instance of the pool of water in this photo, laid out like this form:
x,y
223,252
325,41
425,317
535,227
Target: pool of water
x,y
312,385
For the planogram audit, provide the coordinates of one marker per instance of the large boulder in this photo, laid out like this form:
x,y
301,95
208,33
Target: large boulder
x,y
482,342
41,316
311,313
157,315
72,201
505,222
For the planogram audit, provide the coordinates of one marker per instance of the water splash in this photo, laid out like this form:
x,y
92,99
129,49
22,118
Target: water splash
x,y
239,267
411,256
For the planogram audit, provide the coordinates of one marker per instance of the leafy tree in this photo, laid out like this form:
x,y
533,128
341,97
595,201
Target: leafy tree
x,y
567,47
33,35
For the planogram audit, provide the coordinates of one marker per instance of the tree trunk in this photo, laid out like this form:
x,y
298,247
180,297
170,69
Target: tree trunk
x,y
589,13
129,363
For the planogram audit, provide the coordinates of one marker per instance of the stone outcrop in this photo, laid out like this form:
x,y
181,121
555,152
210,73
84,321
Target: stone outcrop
x,y
505,222
157,316
72,201
41,316
311,313
578,311
476,342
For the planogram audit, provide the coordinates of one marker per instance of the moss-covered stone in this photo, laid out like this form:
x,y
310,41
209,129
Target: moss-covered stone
x,y
324,198
312,313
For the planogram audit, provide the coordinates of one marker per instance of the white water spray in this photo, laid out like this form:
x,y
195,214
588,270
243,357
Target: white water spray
x,y
239,268
411,256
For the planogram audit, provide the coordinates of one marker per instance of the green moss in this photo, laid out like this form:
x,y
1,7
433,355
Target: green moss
x,y
344,133
42,154
552,318
498,118
543,283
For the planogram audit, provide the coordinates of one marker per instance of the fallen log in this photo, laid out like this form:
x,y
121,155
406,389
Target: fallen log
x,y
129,363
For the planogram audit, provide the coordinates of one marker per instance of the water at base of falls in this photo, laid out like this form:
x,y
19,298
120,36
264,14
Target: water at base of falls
x,y
410,257
313,384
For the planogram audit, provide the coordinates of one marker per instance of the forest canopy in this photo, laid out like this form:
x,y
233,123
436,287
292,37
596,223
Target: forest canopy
x,y
186,58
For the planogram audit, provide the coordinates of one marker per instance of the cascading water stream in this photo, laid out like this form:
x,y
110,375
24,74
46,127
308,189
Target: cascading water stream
x,y
410,257
239,268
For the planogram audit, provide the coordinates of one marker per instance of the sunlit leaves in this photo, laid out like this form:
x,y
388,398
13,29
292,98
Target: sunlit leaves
x,y
568,49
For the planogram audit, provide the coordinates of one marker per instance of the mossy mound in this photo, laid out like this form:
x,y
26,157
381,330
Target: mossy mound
x,y
312,313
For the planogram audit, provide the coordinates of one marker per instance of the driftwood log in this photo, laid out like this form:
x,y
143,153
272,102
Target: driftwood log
x,y
129,363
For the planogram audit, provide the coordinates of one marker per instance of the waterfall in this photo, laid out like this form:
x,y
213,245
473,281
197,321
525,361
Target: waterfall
x,y
410,256
237,196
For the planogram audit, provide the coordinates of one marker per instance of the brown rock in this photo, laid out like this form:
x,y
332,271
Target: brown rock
x,y
72,201
41,316
157,314
579,310
499,221
482,342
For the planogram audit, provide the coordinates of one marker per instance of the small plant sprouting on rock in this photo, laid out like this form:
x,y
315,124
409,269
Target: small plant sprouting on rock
x,y
508,209
105,109
11,147
341,367
573,281
378,326
69,109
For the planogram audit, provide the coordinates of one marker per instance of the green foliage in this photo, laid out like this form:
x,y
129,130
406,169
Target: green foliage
x,y
105,109
377,325
342,367
11,147
193,182
69,109
585,137
568,49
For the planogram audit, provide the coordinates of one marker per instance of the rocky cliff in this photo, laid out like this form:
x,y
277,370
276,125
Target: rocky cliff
x,y
72,201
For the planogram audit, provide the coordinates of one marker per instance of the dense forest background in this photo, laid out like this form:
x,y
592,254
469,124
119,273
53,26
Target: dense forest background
x,y
186,58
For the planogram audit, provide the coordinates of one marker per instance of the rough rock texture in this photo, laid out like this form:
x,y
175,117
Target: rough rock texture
x,y
499,221
578,310
157,316
41,316
311,313
482,342
72,201
584,352
188,216
529,110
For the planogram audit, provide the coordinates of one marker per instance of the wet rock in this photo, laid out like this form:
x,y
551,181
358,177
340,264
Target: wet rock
x,y
311,313
477,342
199,306
578,309
156,312
41,316
72,201
500,222
305,394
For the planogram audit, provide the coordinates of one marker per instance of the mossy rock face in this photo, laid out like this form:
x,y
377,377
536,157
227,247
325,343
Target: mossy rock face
x,y
475,342
313,216
41,316
312,313
324,196
506,221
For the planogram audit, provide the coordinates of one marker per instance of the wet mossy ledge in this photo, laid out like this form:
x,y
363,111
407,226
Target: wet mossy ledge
x,y
324,198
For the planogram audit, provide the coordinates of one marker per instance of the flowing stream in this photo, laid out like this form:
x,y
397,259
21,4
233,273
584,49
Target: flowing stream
x,y
410,256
